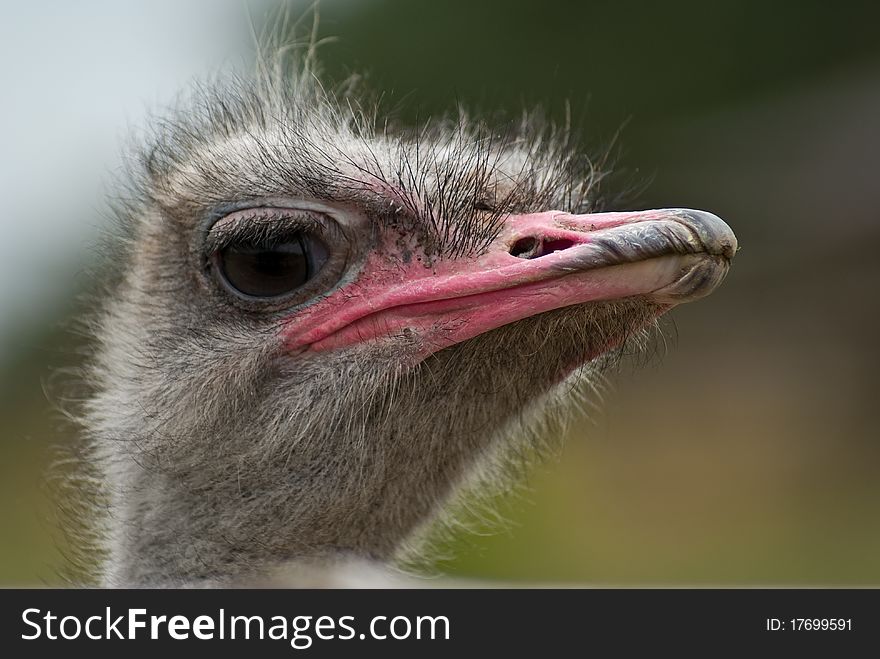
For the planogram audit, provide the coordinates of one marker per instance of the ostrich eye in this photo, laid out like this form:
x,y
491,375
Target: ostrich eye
x,y
270,269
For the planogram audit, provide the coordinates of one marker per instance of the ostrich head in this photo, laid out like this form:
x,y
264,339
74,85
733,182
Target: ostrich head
x,y
323,328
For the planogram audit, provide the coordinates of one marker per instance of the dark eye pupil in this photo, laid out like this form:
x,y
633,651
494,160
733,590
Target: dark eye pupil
x,y
271,270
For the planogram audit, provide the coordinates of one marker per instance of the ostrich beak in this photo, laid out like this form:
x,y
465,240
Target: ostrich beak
x,y
537,263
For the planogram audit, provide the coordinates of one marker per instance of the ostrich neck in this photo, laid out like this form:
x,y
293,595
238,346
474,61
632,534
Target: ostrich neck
x,y
175,531
252,482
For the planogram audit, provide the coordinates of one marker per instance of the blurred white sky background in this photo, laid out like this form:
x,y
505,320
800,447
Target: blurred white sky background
x,y
77,79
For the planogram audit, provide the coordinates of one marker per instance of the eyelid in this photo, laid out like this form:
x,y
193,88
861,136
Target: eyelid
x,y
258,225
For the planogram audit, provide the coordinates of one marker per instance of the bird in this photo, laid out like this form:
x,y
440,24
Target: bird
x,y
324,329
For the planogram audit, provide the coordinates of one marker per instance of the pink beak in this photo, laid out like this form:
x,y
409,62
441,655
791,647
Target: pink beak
x,y
537,263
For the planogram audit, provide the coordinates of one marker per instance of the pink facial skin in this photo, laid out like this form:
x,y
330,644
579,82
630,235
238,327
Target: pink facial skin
x,y
452,300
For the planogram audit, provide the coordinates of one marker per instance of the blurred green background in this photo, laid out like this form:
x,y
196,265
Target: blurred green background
x,y
749,452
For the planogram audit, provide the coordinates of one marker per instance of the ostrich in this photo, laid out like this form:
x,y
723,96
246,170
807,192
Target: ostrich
x,y
325,329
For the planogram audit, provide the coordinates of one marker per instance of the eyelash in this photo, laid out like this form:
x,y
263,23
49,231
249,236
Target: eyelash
x,y
264,228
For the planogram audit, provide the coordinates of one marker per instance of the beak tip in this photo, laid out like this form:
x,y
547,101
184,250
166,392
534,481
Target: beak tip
x,y
714,233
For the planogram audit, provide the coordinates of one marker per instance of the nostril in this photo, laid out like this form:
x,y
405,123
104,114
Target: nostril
x,y
533,248
551,246
525,248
